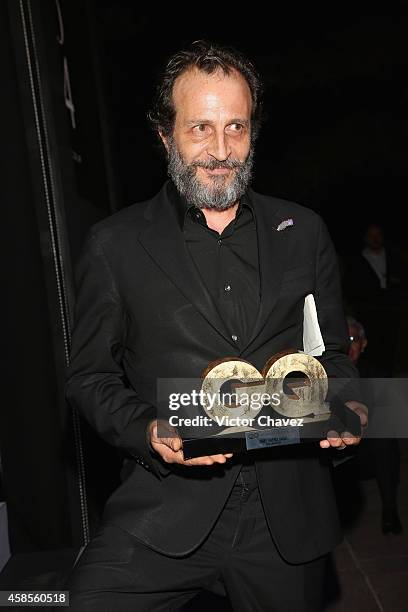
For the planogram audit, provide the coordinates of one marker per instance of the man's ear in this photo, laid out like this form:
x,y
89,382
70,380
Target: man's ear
x,y
164,139
365,342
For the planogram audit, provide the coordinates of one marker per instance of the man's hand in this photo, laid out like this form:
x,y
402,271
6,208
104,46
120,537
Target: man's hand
x,y
340,441
170,448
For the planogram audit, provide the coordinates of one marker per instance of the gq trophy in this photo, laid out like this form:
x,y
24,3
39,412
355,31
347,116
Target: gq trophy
x,y
244,409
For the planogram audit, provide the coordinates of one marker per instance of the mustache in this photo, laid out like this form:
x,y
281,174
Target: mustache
x,y
215,164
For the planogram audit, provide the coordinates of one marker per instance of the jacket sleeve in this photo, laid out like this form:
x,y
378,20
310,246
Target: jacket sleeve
x,y
96,382
332,322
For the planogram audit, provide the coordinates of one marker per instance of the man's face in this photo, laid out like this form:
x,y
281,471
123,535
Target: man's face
x,y
374,237
357,343
210,156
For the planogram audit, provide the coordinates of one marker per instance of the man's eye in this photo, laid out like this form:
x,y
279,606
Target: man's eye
x,y
201,128
236,127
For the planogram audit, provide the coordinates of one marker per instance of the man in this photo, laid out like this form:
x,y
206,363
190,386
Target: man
x,y
206,269
382,454
373,285
374,253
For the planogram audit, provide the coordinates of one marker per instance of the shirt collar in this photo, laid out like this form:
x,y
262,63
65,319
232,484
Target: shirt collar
x,y
183,207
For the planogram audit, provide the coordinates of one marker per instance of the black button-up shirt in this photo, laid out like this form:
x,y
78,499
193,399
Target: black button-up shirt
x,y
228,264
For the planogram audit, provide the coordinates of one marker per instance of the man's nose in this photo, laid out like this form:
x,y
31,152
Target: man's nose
x,y
219,147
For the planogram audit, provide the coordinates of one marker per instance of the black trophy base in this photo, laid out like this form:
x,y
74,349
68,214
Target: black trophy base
x,y
341,419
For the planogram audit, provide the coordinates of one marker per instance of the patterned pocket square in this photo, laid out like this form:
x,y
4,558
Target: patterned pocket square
x,y
284,224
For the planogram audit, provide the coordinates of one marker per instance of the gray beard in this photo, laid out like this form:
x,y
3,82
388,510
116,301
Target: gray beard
x,y
217,195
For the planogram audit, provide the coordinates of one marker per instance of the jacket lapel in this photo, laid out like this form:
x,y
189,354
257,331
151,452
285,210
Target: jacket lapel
x,y
164,241
273,248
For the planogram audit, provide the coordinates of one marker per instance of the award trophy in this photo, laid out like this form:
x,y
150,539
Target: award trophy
x,y
284,404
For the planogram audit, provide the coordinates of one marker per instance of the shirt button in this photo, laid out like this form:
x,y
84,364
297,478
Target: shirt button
x,y
234,337
220,242
198,215
227,288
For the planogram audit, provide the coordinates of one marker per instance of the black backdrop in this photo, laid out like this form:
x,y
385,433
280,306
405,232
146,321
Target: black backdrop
x,y
336,96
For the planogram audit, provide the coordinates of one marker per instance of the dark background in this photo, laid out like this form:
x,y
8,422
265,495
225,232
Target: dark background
x,y
336,96
335,140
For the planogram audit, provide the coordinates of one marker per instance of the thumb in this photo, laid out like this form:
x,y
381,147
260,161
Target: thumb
x,y
174,443
361,410
167,435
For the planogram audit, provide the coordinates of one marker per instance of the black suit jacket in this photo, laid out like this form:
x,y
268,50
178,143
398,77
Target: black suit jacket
x,y
142,313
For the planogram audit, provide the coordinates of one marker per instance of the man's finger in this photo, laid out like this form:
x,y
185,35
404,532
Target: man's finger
x,y
174,444
324,444
349,439
208,459
333,439
171,450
